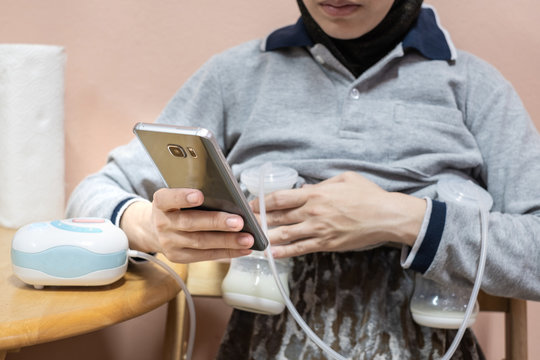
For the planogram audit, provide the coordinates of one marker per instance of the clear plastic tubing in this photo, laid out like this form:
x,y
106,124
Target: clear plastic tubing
x,y
321,344
189,299
477,282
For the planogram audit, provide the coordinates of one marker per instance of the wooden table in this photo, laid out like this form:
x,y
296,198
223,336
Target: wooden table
x,y
29,316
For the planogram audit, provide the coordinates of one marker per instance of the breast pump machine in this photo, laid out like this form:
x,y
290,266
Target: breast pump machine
x,y
94,252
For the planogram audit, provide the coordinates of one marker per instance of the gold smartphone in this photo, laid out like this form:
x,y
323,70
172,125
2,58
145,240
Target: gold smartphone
x,y
190,157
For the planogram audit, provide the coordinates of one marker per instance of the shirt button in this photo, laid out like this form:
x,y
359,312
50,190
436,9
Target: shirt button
x,y
319,59
355,94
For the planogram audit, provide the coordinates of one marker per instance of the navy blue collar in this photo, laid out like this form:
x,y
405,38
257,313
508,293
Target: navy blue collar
x,y
426,36
288,36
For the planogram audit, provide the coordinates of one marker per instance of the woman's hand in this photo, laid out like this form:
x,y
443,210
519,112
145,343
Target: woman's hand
x,y
183,235
346,212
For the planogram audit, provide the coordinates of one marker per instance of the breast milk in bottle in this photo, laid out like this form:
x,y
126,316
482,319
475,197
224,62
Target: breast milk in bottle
x,y
444,305
249,284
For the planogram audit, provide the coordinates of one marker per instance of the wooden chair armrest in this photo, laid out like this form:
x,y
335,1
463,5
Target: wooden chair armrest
x,y
515,322
205,277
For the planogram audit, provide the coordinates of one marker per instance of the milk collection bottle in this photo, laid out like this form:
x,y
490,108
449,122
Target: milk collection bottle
x,y
249,284
442,305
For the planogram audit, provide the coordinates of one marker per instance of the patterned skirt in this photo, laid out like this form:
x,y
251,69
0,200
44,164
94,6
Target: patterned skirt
x,y
357,302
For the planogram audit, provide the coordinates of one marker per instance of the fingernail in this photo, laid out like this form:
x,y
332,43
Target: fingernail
x,y
192,198
232,222
244,240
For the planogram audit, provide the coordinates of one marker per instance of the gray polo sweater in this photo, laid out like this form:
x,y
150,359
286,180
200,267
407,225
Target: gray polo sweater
x,y
423,112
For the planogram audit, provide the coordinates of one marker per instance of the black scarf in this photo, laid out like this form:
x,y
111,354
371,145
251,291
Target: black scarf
x,y
361,53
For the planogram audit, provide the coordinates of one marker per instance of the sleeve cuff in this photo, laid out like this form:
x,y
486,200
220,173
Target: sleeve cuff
x,y
121,207
421,255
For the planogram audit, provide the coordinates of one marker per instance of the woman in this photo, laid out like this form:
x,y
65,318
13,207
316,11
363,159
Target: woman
x,y
372,105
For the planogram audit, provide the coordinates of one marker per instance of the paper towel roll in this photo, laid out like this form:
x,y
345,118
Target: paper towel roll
x,y
31,133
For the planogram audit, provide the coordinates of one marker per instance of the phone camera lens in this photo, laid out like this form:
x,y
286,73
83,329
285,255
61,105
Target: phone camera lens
x,y
176,150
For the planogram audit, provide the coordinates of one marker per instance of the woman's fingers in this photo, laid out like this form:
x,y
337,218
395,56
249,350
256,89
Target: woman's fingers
x,y
188,247
203,220
172,210
185,234
291,233
280,200
166,199
206,240
191,255
295,249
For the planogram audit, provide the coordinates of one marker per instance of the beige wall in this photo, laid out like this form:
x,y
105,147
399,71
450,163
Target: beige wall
x,y
126,58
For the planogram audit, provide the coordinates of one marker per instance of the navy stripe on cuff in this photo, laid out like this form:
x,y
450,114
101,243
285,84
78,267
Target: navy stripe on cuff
x,y
118,207
432,238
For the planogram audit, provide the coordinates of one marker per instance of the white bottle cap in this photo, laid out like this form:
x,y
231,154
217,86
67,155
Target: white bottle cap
x,y
276,177
464,192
